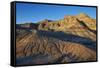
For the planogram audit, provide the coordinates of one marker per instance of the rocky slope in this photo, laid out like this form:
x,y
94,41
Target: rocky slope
x,y
50,48
81,25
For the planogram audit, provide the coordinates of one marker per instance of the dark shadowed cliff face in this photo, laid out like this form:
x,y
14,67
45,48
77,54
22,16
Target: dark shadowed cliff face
x,y
27,26
68,40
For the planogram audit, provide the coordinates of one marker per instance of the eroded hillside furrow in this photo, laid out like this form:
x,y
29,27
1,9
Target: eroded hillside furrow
x,y
34,44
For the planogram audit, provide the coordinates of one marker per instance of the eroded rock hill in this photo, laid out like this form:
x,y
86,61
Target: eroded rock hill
x,y
72,39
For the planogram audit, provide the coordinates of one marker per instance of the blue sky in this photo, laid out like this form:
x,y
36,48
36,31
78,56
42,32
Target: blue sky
x,y
26,12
